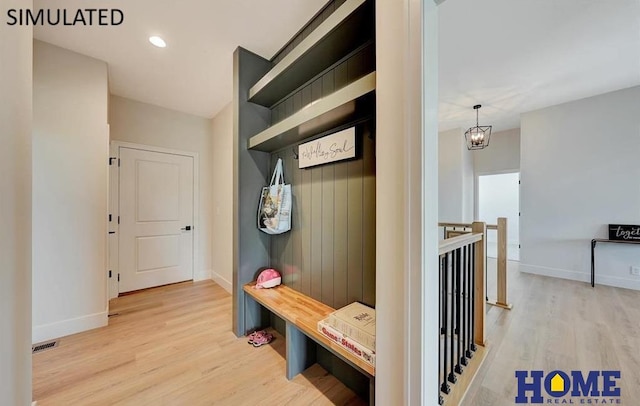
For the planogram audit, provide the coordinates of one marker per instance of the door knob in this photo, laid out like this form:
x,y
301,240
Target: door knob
x,y
187,228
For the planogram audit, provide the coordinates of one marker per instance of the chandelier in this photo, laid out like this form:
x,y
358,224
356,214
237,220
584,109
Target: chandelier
x,y
478,137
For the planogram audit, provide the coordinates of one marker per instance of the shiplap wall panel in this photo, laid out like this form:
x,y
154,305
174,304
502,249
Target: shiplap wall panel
x,y
369,225
340,252
316,232
328,201
302,193
330,252
354,231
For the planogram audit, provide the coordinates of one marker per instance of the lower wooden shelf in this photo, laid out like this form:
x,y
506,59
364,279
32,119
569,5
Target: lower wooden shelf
x,y
304,313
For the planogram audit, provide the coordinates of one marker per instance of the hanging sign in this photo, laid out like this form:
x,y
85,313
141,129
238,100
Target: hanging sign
x,y
334,147
626,232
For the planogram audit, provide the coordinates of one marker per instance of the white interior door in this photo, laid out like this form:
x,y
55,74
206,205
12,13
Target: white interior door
x,y
156,219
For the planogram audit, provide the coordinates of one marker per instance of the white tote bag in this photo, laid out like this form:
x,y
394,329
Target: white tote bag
x,y
274,210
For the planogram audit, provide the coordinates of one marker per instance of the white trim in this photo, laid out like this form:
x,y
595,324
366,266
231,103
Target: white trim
x,y
70,326
196,194
202,275
607,280
225,284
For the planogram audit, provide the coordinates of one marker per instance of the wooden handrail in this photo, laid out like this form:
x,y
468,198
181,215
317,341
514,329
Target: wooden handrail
x,y
452,244
454,225
466,225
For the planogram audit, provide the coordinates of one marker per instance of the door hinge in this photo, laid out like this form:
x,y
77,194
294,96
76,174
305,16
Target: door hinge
x,y
118,162
111,159
110,274
109,218
519,246
118,219
118,277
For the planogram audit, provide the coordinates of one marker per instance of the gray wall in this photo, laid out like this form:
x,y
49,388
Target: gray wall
x,y
330,252
580,172
502,154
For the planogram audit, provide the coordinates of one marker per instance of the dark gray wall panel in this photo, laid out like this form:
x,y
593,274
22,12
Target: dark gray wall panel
x,y
330,252
316,232
250,247
369,215
340,238
328,232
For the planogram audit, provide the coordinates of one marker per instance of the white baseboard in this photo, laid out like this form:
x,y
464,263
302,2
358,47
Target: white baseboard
x,y
226,285
202,275
617,281
606,280
555,272
68,327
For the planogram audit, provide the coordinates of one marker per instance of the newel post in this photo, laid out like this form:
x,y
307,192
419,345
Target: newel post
x,y
479,288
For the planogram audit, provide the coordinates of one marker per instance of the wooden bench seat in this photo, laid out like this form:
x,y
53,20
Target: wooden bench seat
x,y
301,315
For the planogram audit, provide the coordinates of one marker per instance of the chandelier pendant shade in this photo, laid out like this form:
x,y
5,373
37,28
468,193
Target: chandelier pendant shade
x,y
478,137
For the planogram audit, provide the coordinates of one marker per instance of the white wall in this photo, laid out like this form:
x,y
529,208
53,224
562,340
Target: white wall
x,y
455,178
145,124
502,154
15,211
580,172
70,148
222,182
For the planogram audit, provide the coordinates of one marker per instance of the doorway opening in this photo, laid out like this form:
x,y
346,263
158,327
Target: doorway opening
x,y
499,196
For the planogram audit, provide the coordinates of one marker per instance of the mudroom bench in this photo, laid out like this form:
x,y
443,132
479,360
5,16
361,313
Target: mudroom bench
x,y
301,314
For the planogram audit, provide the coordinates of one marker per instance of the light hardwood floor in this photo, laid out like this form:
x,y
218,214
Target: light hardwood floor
x,y
558,324
173,346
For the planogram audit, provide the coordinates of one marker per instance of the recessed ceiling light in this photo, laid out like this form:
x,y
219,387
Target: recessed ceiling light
x,y
157,41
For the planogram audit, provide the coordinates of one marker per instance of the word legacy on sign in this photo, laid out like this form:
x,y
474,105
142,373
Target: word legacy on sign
x,y
81,17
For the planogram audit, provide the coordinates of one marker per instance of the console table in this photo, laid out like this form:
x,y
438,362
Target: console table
x,y
593,248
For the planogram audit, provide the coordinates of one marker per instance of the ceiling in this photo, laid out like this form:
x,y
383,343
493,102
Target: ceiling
x,y
510,56
193,73
514,56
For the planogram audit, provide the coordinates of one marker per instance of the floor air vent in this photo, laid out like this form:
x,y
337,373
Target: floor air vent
x,y
43,346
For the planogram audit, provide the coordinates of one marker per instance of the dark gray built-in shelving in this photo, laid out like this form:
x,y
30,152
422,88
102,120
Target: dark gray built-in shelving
x,y
323,80
345,29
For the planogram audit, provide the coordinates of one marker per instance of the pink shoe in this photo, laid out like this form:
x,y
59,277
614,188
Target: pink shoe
x,y
256,334
262,339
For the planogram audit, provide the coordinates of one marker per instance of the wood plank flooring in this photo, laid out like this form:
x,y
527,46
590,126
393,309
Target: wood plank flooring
x,y
173,346
558,324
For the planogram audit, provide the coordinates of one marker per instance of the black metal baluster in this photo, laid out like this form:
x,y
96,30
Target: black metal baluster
x,y
459,265
470,263
440,310
473,298
454,263
465,302
445,387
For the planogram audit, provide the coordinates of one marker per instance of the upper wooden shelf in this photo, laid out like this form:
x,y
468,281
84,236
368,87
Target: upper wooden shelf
x,y
344,106
344,30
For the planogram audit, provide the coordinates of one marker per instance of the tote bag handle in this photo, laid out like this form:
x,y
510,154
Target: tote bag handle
x,y
278,175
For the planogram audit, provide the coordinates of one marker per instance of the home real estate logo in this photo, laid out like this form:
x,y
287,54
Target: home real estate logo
x,y
592,388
